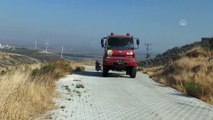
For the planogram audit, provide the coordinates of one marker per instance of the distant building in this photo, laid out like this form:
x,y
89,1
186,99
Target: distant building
x,y
7,47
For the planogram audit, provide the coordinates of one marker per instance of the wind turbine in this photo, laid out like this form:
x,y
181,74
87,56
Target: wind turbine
x,y
62,51
35,45
46,44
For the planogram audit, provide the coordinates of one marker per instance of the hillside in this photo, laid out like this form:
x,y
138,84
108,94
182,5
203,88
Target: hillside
x,y
188,69
27,85
42,56
11,59
20,56
175,53
28,91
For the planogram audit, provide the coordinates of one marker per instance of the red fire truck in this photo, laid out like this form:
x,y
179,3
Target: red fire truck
x,y
119,54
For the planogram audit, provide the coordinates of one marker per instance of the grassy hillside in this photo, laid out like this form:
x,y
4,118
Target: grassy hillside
x,y
27,83
50,56
28,90
7,60
191,72
176,53
36,54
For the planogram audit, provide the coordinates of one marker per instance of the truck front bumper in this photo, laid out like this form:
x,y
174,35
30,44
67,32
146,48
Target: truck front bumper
x,y
119,62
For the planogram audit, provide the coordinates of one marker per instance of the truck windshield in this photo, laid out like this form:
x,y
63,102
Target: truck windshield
x,y
120,43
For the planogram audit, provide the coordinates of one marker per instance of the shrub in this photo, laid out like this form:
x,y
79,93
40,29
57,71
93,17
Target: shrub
x,y
54,70
192,88
79,86
3,72
35,71
79,69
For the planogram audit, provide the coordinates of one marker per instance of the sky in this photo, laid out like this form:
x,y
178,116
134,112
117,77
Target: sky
x,y
79,25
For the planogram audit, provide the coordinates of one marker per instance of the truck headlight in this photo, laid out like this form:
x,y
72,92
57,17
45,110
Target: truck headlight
x,y
129,53
109,52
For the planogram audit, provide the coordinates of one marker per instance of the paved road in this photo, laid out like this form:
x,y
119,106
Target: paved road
x,y
119,97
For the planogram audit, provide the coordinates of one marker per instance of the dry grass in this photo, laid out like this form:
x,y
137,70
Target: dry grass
x,y
6,54
88,62
27,92
22,99
192,74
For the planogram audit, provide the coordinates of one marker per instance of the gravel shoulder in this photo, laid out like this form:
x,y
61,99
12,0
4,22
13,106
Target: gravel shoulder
x,y
88,96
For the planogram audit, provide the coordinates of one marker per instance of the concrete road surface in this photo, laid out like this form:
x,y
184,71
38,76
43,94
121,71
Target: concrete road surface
x,y
89,96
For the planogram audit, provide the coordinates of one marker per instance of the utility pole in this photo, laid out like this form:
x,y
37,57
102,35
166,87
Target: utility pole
x,y
62,51
148,54
35,47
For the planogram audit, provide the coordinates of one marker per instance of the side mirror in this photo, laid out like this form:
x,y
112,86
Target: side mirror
x,y
102,42
138,42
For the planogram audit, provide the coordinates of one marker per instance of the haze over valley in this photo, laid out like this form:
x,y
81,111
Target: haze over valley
x,y
79,27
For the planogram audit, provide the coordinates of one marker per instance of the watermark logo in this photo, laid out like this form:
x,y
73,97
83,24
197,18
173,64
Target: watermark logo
x,y
183,23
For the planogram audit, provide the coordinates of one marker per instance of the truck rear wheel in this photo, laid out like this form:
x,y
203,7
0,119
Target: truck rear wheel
x,y
133,72
105,72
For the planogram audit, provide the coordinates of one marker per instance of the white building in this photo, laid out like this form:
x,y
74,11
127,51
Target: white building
x,y
7,47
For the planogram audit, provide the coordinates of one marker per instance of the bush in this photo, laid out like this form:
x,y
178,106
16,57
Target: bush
x,y
79,69
192,88
54,71
35,72
3,72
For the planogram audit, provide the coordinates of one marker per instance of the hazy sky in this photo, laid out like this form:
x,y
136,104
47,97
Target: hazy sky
x,y
80,24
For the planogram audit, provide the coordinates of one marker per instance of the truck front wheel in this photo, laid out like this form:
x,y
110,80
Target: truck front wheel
x,y
105,72
128,70
133,72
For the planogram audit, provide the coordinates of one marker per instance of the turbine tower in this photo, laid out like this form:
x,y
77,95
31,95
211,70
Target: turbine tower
x,y
35,47
62,51
46,44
